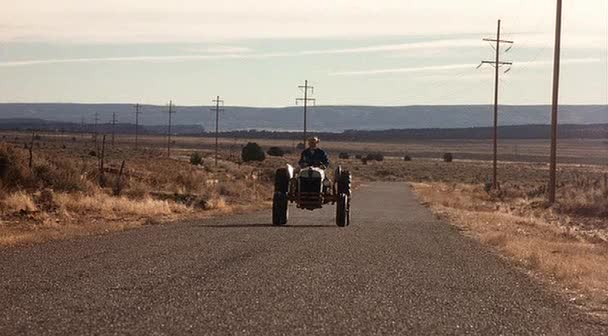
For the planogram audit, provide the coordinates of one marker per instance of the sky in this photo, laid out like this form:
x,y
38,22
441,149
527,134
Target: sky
x,y
256,53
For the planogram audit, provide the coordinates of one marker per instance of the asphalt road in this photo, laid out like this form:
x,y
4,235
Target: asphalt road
x,y
396,270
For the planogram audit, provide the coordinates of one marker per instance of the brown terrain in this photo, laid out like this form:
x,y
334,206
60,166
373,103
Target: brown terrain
x,y
65,193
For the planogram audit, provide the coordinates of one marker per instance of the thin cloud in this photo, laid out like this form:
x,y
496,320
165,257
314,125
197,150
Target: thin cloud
x,y
237,52
403,70
436,68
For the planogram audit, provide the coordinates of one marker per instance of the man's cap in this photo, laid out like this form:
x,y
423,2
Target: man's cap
x,y
314,139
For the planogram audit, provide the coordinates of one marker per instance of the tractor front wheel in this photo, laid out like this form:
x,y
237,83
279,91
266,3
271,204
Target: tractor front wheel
x,y
343,210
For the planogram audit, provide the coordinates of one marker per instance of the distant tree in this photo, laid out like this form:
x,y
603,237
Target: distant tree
x,y
196,159
407,158
447,157
344,156
275,151
252,152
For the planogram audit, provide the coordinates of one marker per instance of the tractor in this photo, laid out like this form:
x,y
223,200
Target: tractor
x,y
311,189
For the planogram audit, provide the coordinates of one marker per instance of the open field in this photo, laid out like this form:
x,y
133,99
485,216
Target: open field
x,y
576,151
566,244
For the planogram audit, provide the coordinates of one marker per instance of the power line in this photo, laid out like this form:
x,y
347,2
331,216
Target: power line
x,y
497,64
217,101
305,99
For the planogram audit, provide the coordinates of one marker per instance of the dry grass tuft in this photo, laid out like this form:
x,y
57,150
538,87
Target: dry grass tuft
x,y
19,202
106,206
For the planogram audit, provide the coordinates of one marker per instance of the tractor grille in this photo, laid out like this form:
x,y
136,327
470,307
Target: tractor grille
x,y
310,193
310,185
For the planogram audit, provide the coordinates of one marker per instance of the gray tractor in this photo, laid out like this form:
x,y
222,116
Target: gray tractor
x,y
310,189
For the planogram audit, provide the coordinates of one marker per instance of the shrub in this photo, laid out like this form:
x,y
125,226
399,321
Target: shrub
x,y
92,153
275,151
13,167
375,157
358,156
252,152
407,158
447,157
59,175
300,146
344,156
196,159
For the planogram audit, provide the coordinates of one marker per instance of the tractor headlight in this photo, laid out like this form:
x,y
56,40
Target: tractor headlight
x,y
326,183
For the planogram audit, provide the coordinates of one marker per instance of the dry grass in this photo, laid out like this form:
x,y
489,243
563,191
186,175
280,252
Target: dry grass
x,y
542,239
18,202
65,194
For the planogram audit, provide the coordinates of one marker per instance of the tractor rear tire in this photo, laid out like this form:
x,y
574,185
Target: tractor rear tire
x,y
280,209
343,210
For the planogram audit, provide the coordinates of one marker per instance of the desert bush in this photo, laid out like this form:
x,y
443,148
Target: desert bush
x,y
344,156
358,156
407,158
58,175
300,146
448,157
189,181
92,153
13,167
375,157
275,151
252,152
196,159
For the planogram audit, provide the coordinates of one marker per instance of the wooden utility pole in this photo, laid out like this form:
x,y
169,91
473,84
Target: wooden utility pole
x,y
113,127
31,150
95,129
171,112
305,87
81,127
217,110
137,113
555,104
496,64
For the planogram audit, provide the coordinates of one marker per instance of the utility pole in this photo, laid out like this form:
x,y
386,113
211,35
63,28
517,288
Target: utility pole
x,y
305,87
113,127
169,129
81,127
555,103
217,110
137,113
95,129
496,64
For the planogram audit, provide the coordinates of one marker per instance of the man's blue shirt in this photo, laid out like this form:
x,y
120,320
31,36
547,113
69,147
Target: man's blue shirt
x,y
312,157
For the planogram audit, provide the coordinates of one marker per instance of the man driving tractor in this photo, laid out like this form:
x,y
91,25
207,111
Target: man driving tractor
x,y
313,156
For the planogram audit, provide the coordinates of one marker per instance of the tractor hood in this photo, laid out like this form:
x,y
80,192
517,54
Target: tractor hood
x,y
312,172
